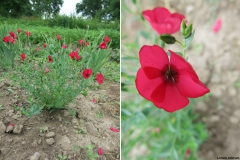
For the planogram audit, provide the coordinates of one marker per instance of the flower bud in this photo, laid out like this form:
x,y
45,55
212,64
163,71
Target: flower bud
x,y
167,38
187,31
183,26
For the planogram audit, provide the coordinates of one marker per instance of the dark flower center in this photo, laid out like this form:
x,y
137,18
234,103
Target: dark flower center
x,y
170,74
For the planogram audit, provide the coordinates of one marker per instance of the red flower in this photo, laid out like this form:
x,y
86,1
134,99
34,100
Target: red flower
x,y
87,73
188,152
100,151
217,25
50,59
81,41
99,78
9,39
106,39
74,55
114,129
94,100
58,37
64,46
77,49
37,49
13,34
44,45
163,21
23,56
103,45
18,30
86,43
27,33
167,83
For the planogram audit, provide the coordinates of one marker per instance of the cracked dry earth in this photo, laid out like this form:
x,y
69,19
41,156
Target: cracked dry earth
x,y
216,59
45,136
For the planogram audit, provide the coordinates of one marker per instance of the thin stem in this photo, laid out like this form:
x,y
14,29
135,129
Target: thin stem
x,y
179,43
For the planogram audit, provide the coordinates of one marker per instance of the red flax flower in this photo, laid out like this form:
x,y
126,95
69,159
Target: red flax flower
x,y
58,37
103,45
44,45
18,30
64,46
50,59
163,21
114,129
74,55
13,34
27,33
99,78
87,73
23,56
100,151
106,39
168,82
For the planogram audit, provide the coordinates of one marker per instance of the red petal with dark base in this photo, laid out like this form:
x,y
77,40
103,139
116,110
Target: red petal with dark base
x,y
153,56
146,86
173,100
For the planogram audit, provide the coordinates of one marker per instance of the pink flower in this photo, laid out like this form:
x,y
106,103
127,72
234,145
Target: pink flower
x,y
157,130
44,45
99,78
58,37
37,49
100,151
77,49
81,41
217,25
23,56
163,21
87,73
10,124
94,100
188,152
50,59
27,33
103,45
46,70
168,82
114,129
9,39
18,30
64,46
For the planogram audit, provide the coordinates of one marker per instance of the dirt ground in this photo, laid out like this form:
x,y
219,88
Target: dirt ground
x,y
61,132
215,57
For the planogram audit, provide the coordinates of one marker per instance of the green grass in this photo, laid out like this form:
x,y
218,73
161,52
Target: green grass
x,y
111,71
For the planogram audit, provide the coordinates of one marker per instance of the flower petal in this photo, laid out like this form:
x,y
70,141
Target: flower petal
x,y
182,64
189,87
158,94
153,56
174,23
152,72
146,86
173,100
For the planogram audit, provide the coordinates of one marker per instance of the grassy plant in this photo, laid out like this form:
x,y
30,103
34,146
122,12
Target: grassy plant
x,y
99,114
61,157
90,154
1,107
81,131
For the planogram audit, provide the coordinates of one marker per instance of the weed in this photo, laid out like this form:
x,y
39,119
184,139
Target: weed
x,y
99,114
41,129
61,157
81,131
76,148
1,107
90,154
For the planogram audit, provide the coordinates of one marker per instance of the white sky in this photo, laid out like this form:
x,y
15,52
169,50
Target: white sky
x,y
68,7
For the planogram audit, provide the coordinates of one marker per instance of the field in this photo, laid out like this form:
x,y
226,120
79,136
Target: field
x,y
59,96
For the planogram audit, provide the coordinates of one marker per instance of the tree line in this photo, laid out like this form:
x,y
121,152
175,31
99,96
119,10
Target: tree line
x,y
99,9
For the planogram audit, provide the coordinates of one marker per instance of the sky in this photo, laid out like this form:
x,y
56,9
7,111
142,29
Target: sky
x,y
68,7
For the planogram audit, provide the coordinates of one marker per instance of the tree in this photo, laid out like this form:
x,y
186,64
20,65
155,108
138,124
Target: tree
x,y
101,9
15,8
46,7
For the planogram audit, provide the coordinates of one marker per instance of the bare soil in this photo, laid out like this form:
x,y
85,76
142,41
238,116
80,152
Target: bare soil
x,y
65,132
216,59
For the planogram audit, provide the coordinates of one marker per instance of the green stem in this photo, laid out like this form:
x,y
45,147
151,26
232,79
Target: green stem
x,y
162,44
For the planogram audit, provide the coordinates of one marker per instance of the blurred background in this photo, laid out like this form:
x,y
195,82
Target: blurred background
x,y
209,127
